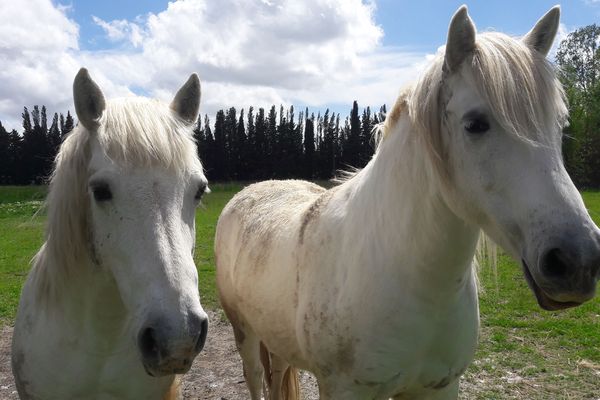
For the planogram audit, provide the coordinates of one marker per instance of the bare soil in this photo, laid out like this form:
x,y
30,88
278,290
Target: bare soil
x,y
217,373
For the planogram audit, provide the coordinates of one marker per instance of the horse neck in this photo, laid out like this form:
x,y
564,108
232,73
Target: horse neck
x,y
86,300
397,208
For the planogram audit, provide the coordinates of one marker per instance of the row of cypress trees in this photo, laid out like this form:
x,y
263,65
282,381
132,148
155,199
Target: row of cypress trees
x,y
262,144
267,144
27,157
239,146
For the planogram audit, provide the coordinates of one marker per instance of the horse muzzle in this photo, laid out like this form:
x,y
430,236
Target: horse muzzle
x,y
565,274
165,350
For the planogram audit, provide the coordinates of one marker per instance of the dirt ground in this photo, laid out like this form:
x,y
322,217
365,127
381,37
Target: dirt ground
x,y
215,375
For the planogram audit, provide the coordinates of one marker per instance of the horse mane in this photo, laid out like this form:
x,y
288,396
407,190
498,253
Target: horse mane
x,y
143,132
133,132
518,84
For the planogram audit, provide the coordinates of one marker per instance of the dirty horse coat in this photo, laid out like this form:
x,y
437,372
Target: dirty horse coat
x,y
370,284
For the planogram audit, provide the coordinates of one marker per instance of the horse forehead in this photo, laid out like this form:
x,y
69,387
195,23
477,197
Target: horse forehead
x,y
98,158
155,183
460,93
156,174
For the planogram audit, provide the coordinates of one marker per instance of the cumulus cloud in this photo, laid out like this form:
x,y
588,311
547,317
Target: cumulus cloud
x,y
119,30
37,48
262,52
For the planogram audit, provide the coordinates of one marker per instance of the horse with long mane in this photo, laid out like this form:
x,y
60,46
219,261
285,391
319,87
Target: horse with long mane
x,y
370,285
111,307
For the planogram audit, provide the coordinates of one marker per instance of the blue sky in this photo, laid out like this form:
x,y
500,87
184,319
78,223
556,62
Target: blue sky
x,y
315,53
423,23
420,25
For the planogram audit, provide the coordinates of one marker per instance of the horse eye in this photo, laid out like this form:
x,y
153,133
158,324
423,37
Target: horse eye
x,y
101,193
477,126
200,192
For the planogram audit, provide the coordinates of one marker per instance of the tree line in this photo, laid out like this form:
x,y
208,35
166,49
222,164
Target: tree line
x,y
269,144
578,57
262,144
239,146
27,158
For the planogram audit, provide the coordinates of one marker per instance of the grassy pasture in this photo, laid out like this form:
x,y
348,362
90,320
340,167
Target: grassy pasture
x,y
524,352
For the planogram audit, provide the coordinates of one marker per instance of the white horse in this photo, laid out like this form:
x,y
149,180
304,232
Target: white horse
x,y
370,285
111,308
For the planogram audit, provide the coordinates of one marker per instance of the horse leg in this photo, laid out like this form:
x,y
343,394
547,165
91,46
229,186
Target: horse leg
x,y
284,380
249,350
278,368
248,346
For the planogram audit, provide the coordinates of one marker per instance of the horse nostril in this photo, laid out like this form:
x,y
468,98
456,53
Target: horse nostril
x,y
148,343
554,264
202,336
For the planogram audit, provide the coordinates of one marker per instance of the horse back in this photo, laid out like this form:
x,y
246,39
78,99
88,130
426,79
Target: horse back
x,y
257,250
265,212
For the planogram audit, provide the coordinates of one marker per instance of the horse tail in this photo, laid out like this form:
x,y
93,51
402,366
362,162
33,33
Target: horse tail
x,y
290,385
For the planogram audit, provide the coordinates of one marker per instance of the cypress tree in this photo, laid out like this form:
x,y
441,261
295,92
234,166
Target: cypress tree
x,y
260,145
44,121
366,148
5,167
382,113
221,167
327,149
298,146
280,147
239,152
230,142
37,152
309,147
27,128
271,140
250,152
15,149
62,124
352,157
68,125
337,149
35,117
207,150
54,138
30,149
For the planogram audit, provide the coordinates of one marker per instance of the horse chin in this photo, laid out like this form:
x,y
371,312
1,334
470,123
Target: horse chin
x,y
545,301
160,372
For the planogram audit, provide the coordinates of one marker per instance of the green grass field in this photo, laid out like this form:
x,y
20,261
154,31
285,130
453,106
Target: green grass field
x,y
524,352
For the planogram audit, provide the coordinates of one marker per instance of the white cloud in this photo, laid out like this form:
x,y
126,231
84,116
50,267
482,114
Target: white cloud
x,y
119,30
561,35
261,52
38,44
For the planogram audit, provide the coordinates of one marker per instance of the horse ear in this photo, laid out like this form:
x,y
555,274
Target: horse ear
x,y
461,39
542,35
89,100
187,100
